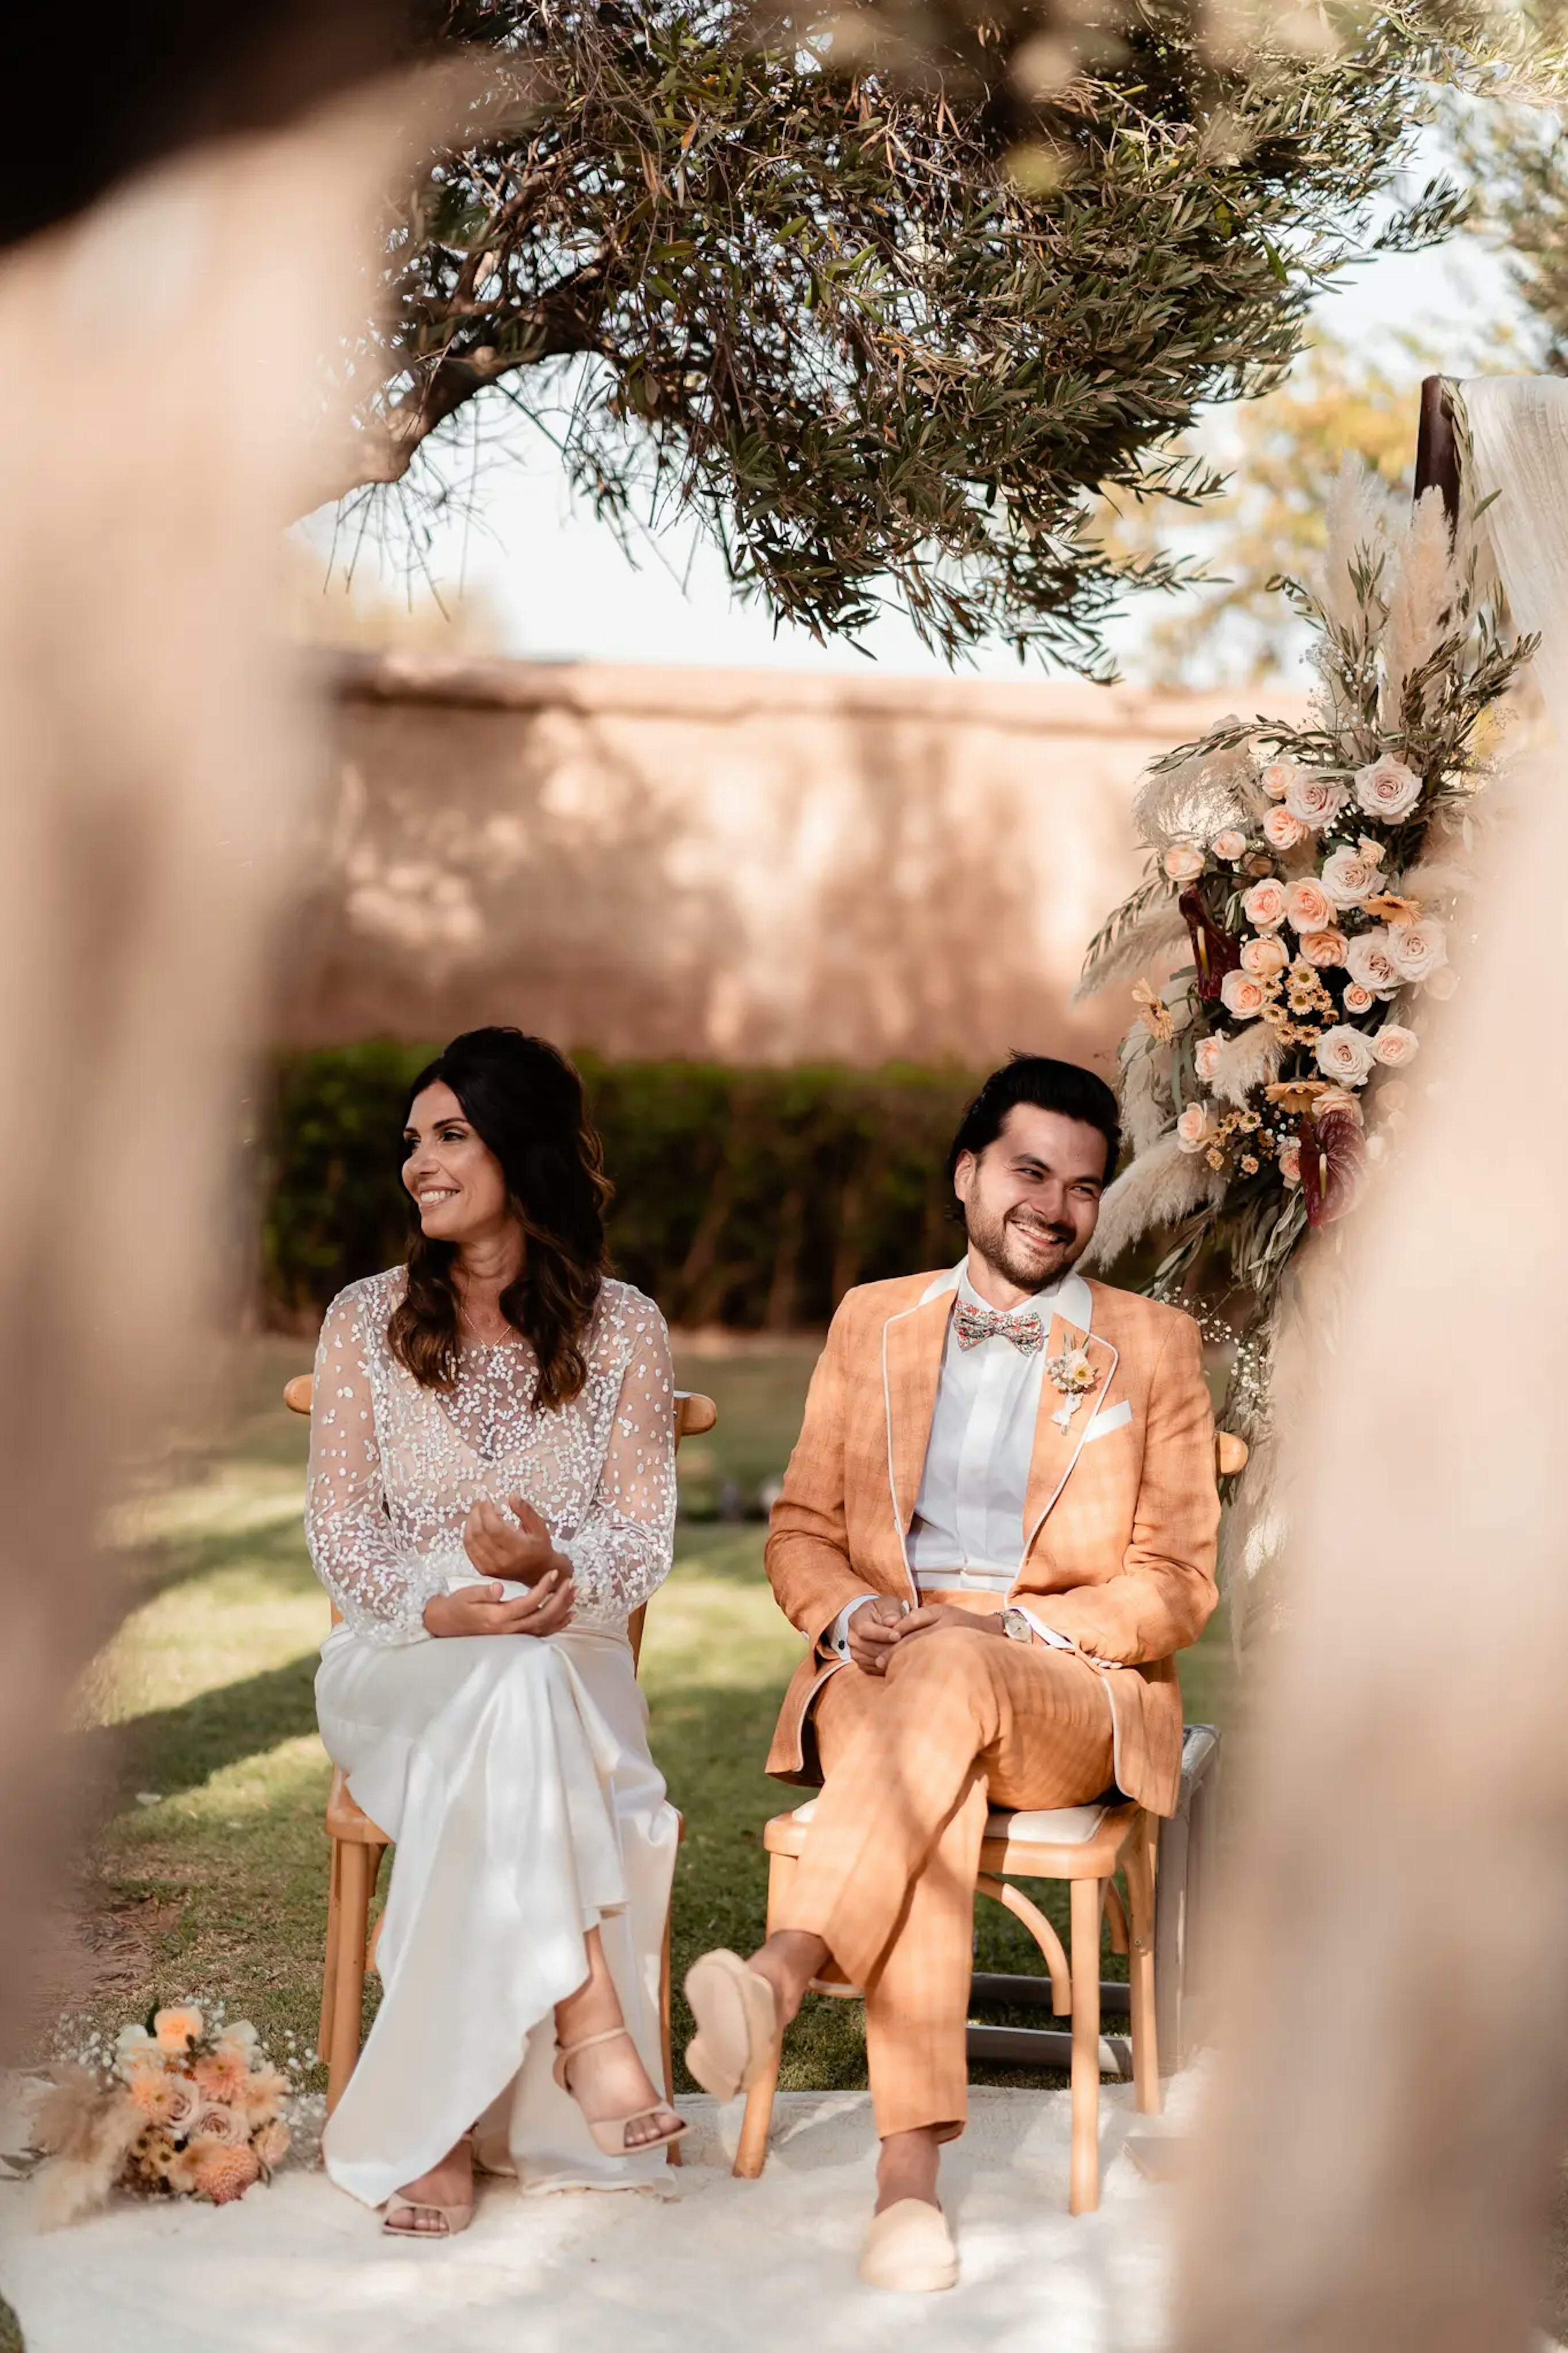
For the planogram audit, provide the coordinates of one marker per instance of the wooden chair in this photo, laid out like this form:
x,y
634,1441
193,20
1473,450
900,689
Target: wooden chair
x,y
1084,1845
358,1847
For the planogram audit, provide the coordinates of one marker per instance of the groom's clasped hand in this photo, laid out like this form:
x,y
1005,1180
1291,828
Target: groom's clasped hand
x,y
879,1626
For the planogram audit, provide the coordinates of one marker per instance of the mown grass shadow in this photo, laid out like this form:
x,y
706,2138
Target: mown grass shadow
x,y
171,1749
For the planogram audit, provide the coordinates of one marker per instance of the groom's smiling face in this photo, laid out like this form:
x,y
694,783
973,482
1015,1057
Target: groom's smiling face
x,y
1031,1198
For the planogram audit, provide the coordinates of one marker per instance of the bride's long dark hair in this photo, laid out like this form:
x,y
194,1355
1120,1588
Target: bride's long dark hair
x,y
524,1100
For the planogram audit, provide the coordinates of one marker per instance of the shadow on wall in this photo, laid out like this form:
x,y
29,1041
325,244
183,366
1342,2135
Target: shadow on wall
x,y
755,867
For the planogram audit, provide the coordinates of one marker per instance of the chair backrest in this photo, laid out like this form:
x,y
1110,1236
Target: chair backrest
x,y
694,1414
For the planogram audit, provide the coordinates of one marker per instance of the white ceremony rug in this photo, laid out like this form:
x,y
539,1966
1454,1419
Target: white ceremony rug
x,y
761,2267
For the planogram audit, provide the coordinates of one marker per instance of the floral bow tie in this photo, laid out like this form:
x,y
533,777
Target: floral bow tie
x,y
973,1325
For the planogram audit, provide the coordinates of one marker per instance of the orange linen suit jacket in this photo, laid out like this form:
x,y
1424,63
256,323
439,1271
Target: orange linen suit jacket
x,y
1121,1520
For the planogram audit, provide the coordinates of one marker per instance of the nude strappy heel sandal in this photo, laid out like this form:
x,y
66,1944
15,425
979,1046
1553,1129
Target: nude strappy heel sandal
x,y
610,2132
456,2218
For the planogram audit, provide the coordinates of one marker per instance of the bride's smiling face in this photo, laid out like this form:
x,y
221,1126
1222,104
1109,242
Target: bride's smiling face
x,y
451,1172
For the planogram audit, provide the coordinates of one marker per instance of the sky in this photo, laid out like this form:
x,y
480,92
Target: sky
x,y
555,584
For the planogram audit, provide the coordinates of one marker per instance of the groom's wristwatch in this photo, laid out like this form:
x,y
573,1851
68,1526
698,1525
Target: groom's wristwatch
x,y
1016,1626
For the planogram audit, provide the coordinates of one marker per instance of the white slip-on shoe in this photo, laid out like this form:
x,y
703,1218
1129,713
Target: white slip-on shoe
x,y
908,2246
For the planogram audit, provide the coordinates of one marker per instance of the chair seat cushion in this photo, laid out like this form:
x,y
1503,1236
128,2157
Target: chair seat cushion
x,y
1038,1826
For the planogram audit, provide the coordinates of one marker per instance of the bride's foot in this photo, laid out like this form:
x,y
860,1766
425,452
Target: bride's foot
x,y
439,2202
620,2105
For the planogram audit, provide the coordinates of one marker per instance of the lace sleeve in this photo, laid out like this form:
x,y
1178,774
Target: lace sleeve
x,y
379,1581
622,1552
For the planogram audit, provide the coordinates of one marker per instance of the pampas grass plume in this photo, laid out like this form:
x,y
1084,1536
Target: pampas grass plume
x,y
1356,525
1147,1109
1419,604
1162,928
1246,1061
90,2133
1162,1185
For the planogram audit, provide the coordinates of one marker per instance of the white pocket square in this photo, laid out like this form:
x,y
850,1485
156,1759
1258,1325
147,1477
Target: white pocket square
x,y
1116,1417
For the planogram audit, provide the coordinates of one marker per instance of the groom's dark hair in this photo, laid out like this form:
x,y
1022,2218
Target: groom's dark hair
x,y
1064,1087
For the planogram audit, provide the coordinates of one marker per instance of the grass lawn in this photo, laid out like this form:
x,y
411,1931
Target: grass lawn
x,y
210,1874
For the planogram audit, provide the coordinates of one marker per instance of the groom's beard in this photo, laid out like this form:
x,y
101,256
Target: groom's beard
x,y
1022,1248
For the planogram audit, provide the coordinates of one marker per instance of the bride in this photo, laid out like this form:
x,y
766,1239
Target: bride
x,y
492,1493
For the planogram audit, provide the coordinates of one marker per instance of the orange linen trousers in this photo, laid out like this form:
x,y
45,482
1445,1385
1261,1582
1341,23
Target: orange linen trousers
x,y
914,1759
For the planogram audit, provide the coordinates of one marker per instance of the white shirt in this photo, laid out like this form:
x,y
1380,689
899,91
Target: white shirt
x,y
968,1526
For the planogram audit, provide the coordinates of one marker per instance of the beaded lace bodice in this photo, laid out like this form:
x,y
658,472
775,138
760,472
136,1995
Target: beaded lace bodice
x,y
396,1469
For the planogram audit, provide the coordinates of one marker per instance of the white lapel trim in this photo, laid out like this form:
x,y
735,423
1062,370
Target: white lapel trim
x,y
933,1289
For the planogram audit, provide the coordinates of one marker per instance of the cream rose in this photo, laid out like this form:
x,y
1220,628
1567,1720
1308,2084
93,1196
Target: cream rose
x,y
1325,948
1283,830
1343,1055
1348,877
1192,1128
1369,959
1205,1057
1315,800
1387,789
1182,862
1230,845
1241,995
1264,957
182,2105
1394,1045
1277,778
1290,1162
1306,908
1359,999
1418,950
1264,904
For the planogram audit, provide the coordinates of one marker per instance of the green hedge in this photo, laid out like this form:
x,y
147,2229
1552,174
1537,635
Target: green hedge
x,y
751,1198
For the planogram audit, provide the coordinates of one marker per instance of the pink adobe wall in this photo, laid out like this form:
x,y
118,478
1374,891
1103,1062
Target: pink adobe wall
x,y
754,865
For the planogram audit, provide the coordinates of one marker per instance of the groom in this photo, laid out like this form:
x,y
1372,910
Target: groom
x,y
997,1527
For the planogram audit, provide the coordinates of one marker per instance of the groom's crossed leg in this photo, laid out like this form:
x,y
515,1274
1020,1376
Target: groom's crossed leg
x,y
915,1760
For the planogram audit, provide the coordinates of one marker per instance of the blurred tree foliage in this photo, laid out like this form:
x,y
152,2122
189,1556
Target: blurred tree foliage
x,y
1283,455
882,332
753,1198
1518,159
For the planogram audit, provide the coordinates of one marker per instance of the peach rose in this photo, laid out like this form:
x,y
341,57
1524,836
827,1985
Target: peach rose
x,y
1205,1057
1240,994
1325,948
183,2103
1182,862
1281,829
1338,1099
1387,789
1276,777
1314,799
1395,1045
213,2121
1230,845
1418,950
177,2028
1370,961
1348,879
1264,904
1359,999
224,2174
1306,908
1192,1128
1264,957
1344,1056
1290,1162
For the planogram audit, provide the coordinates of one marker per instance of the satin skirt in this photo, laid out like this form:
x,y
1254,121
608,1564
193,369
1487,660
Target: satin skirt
x,y
514,1777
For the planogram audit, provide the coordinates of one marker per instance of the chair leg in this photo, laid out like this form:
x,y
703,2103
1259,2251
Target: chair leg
x,y
752,2154
1140,1867
348,1988
672,2154
1083,2195
330,1959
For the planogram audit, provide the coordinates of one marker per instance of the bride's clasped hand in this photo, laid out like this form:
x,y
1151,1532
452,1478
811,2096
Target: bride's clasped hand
x,y
520,1554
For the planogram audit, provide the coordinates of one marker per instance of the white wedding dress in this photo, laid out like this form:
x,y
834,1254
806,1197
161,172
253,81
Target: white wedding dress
x,y
513,1772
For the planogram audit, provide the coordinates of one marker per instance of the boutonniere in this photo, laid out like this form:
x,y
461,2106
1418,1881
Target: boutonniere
x,y
1073,1373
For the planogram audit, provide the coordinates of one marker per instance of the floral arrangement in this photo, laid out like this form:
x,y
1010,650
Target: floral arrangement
x,y
187,2106
1311,873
